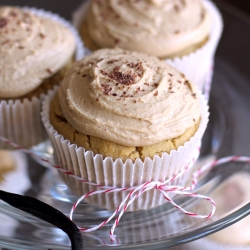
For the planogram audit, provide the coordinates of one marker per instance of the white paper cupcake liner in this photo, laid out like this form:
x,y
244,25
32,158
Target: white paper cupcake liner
x,y
115,173
20,122
197,66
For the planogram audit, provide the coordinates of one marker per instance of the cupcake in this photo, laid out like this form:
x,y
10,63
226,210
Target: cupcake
x,y
36,50
184,33
122,118
229,196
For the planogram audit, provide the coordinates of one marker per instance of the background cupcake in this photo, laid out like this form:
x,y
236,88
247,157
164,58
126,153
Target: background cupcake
x,y
124,118
36,49
233,193
185,33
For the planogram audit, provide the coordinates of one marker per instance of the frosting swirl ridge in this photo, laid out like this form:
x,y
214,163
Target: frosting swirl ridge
x,y
128,98
32,49
157,27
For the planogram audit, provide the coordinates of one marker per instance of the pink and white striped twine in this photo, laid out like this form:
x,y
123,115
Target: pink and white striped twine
x,y
136,191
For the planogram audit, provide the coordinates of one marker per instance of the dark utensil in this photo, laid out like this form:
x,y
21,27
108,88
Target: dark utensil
x,y
47,213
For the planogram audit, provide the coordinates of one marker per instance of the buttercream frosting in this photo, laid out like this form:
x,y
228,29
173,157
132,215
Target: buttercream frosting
x,y
32,48
128,98
156,27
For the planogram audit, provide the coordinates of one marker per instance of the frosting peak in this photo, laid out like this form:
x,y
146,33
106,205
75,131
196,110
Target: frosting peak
x,y
32,49
156,27
128,98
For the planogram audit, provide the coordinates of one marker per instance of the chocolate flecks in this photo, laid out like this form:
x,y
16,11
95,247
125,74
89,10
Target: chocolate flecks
x,y
194,95
97,99
21,47
202,15
84,75
103,72
42,35
134,101
106,89
3,22
99,2
114,94
183,2
49,71
177,8
5,42
121,77
138,67
145,83
172,92
112,61
177,32
179,81
194,120
170,74
186,82
116,40
13,13
156,84
156,93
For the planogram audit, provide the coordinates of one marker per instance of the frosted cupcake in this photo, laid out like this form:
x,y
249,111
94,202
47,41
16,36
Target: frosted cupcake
x,y
182,32
127,116
36,50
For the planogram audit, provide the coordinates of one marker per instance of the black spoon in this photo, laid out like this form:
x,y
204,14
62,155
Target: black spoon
x,y
47,213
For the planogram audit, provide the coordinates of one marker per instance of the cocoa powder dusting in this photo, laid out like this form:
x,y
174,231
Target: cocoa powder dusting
x,y
122,78
49,71
3,22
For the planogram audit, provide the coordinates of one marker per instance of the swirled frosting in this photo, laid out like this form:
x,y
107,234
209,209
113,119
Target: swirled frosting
x,y
157,27
32,48
128,98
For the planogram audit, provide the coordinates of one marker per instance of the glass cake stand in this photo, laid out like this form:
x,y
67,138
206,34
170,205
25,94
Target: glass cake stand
x,y
163,226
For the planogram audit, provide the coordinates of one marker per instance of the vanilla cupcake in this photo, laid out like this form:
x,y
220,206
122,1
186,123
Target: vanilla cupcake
x,y
124,118
182,32
36,49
